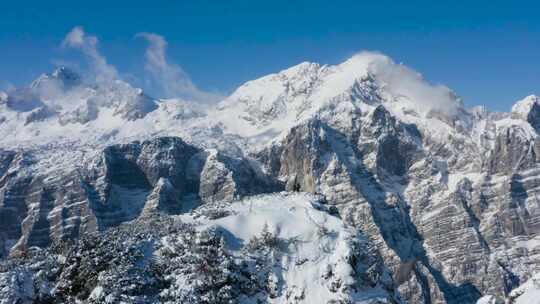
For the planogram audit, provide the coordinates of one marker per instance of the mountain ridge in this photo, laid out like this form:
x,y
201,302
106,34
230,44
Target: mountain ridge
x,y
446,195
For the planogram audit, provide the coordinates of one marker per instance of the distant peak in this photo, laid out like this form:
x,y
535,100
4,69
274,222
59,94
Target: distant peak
x,y
524,106
62,76
66,74
303,65
528,109
301,69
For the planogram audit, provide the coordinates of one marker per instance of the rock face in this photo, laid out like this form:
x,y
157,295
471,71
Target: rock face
x,y
367,198
454,217
160,175
445,196
529,110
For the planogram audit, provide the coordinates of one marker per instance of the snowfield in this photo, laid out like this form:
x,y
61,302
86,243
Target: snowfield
x,y
317,248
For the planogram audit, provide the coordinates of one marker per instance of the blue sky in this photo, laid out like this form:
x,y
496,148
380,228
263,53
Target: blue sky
x,y
487,51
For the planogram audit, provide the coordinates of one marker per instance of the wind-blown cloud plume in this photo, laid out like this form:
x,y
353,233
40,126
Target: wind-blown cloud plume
x,y
171,78
403,81
88,45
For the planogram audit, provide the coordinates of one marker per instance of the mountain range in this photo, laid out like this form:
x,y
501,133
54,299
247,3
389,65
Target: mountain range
x,y
352,183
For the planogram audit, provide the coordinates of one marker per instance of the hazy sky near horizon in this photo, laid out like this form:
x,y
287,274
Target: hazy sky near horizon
x,y
486,51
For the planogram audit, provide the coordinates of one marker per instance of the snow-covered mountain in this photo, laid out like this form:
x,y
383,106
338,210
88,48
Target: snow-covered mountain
x,y
443,195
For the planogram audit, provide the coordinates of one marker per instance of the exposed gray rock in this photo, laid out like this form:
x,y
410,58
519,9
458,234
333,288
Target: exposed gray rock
x,y
528,109
225,178
163,175
88,112
62,78
163,199
38,114
513,152
449,239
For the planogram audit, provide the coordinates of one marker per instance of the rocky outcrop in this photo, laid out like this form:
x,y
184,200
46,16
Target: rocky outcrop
x,y
528,109
38,114
513,151
224,178
163,175
85,113
62,78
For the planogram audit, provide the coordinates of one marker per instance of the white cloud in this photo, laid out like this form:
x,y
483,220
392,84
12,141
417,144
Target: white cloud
x,y
169,77
403,81
88,45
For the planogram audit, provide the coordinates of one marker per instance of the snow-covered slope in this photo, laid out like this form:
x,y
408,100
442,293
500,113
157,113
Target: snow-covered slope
x,y
528,292
321,262
267,249
59,107
273,104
